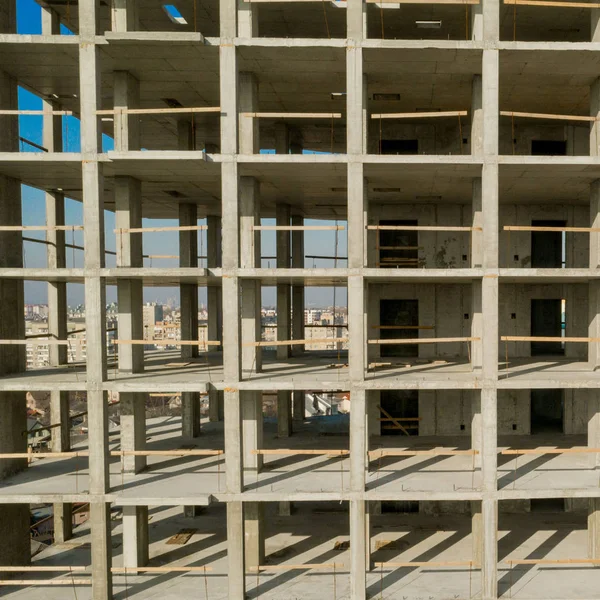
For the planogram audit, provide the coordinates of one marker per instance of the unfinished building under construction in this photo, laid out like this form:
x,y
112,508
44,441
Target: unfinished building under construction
x,y
453,146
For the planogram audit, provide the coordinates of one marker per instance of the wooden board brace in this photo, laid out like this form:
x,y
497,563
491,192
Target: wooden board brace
x,y
126,570
419,115
439,563
374,454
427,340
298,228
290,452
158,111
554,117
296,342
154,229
28,582
533,338
283,115
421,228
41,227
310,566
168,342
41,342
395,421
552,561
571,229
552,3
538,451
167,452
34,569
58,113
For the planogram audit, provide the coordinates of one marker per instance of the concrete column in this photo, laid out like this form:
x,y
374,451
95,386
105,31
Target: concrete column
x,y
284,413
125,15
236,564
95,301
595,112
188,258
593,426
595,222
252,426
297,290
594,323
254,534
136,551
477,22
247,19
298,405
594,528
595,25
284,325
476,532
126,127
50,23
63,522
15,549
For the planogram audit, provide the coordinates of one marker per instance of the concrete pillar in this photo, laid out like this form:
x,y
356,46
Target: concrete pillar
x,y
126,127
476,532
593,426
125,15
594,528
595,25
477,22
284,413
50,23
252,426
284,508
595,222
213,293
298,405
136,551
236,564
247,19
297,290
133,429
15,549
594,323
284,325
95,301
254,534
63,522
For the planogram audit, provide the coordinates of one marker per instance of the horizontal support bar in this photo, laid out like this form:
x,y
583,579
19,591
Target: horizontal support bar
x,y
167,342
554,117
381,453
310,566
290,452
298,227
167,452
421,228
126,570
439,563
154,229
421,115
34,569
283,115
426,340
29,582
552,561
41,342
402,327
568,229
539,451
57,113
41,227
552,3
159,111
533,338
326,257
296,342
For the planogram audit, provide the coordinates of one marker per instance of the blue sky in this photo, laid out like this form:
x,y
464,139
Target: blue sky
x,y
33,201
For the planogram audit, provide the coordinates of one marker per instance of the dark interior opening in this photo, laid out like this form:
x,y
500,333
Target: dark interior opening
x,y
398,248
547,321
402,405
399,146
547,247
547,411
549,505
400,506
396,318
548,148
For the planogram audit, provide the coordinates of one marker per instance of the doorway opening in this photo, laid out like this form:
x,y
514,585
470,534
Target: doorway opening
x,y
548,320
548,247
398,248
547,411
397,319
402,405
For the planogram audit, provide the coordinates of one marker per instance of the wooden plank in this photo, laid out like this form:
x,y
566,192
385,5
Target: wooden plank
x,y
34,569
555,117
296,342
159,111
44,454
290,452
552,561
41,342
45,582
421,228
533,338
310,566
298,227
391,452
552,3
168,342
41,227
438,563
58,113
396,422
291,115
539,451
427,340
571,229
161,569
154,229
167,452
182,537
420,115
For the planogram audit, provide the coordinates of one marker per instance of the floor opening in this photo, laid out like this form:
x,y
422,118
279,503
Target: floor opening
x,y
548,247
548,148
394,315
402,405
547,411
398,248
547,320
